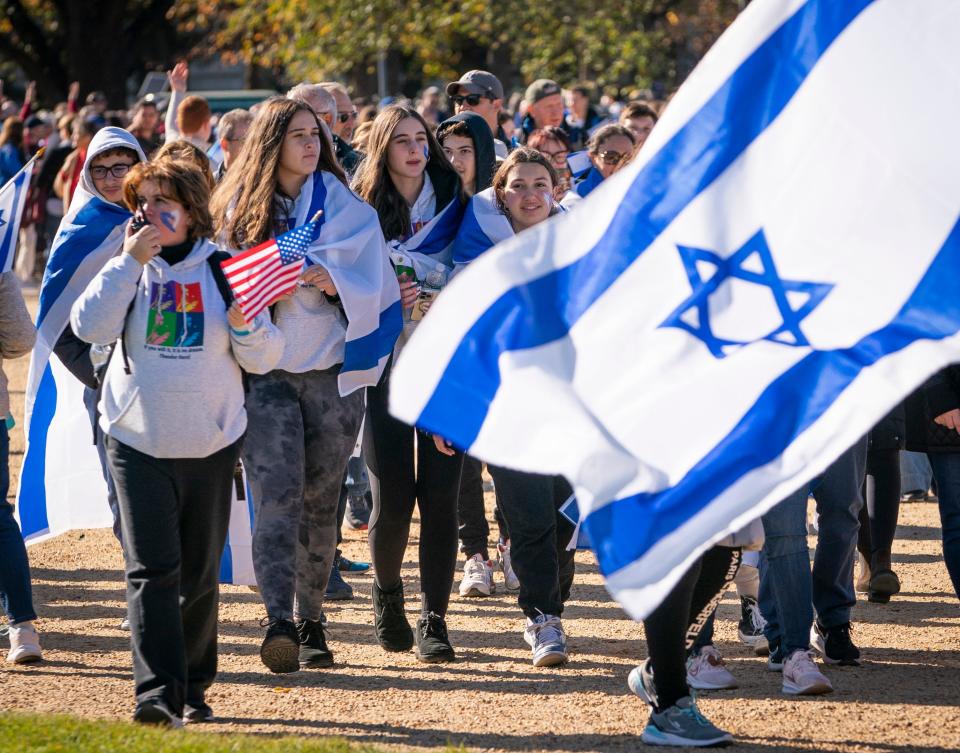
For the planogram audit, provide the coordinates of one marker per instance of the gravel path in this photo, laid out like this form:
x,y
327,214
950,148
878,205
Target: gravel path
x,y
904,698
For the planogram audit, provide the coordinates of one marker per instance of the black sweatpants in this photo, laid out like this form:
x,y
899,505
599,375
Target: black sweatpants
x,y
474,528
673,627
879,514
397,484
174,515
538,537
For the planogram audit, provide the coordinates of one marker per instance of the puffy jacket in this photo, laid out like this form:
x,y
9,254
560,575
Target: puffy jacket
x,y
941,393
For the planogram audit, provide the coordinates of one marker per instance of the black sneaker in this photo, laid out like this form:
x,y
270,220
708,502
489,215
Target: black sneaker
x,y
155,711
197,713
314,653
835,644
280,650
750,628
389,621
433,645
775,658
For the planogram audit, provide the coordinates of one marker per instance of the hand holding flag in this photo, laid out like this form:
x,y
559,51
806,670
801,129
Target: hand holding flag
x,y
266,272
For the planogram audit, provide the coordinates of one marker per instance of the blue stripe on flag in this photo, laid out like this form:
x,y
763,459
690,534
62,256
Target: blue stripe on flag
x,y
623,531
471,241
93,224
443,233
9,242
226,562
33,490
544,310
318,200
365,352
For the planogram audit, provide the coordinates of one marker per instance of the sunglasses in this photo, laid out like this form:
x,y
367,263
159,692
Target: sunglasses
x,y
471,99
613,158
343,117
117,171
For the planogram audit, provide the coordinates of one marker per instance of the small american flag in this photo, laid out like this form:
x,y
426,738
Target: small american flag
x,y
264,272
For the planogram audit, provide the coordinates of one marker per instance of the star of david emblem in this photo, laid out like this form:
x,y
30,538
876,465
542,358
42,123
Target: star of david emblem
x,y
741,299
2,221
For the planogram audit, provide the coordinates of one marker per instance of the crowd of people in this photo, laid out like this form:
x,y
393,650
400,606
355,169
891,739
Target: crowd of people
x,y
155,334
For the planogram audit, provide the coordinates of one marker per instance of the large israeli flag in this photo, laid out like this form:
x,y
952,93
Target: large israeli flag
x,y
725,316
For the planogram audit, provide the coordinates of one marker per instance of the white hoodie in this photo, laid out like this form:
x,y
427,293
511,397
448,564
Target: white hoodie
x,y
184,395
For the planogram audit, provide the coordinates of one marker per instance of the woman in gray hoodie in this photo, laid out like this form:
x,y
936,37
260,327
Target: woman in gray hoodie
x,y
173,411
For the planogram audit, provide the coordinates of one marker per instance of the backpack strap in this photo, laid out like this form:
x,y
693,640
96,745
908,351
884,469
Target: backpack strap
x,y
220,277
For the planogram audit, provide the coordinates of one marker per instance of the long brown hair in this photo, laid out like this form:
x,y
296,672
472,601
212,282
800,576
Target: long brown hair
x,y
243,206
374,184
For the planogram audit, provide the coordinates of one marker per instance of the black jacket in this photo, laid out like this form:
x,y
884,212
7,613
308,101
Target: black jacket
x,y
485,154
941,393
890,432
74,353
446,184
348,157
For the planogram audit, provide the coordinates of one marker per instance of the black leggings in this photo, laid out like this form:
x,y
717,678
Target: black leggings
x,y
878,517
673,627
388,447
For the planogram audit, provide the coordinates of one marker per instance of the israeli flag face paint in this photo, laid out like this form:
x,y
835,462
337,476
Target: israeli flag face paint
x,y
170,220
426,152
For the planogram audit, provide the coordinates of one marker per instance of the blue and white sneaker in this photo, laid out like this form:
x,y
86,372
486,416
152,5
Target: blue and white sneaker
x,y
682,724
545,636
640,682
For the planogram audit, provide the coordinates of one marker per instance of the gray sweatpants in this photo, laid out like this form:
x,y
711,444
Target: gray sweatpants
x,y
300,435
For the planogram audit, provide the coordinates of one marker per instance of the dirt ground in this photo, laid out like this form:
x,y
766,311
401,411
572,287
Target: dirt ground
x,y
905,697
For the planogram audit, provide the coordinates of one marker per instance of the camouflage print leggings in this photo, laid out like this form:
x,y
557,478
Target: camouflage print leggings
x,y
299,437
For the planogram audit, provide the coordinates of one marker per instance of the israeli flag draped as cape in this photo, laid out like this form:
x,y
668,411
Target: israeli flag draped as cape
x,y
482,228
13,198
351,248
433,243
61,481
721,319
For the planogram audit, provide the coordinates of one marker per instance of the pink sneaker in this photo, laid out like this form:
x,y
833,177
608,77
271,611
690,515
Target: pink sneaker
x,y
801,676
705,671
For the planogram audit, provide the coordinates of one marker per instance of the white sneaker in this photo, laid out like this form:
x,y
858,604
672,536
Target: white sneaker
x,y
477,577
24,644
862,581
801,676
705,671
546,637
510,579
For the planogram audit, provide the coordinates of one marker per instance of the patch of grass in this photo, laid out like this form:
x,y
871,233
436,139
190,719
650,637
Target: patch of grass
x,y
66,734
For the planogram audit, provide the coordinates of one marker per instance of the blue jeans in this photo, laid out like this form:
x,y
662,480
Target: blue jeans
x,y
16,595
914,472
788,591
946,470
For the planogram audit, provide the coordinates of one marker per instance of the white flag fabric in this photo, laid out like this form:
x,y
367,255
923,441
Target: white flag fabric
x,y
721,319
13,198
351,248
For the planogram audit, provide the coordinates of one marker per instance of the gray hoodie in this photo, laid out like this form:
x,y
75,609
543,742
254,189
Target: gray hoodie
x,y
184,395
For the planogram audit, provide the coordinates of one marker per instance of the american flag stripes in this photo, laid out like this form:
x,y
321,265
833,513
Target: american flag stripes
x,y
261,274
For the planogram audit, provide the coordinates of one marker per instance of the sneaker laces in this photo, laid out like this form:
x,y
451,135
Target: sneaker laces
x,y
693,711
434,625
549,630
392,601
757,622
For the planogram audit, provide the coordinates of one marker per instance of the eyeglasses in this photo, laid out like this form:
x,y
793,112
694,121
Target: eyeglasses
x,y
117,171
557,158
471,99
613,158
343,117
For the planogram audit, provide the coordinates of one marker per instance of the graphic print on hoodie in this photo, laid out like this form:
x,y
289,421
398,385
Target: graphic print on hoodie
x,y
176,316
